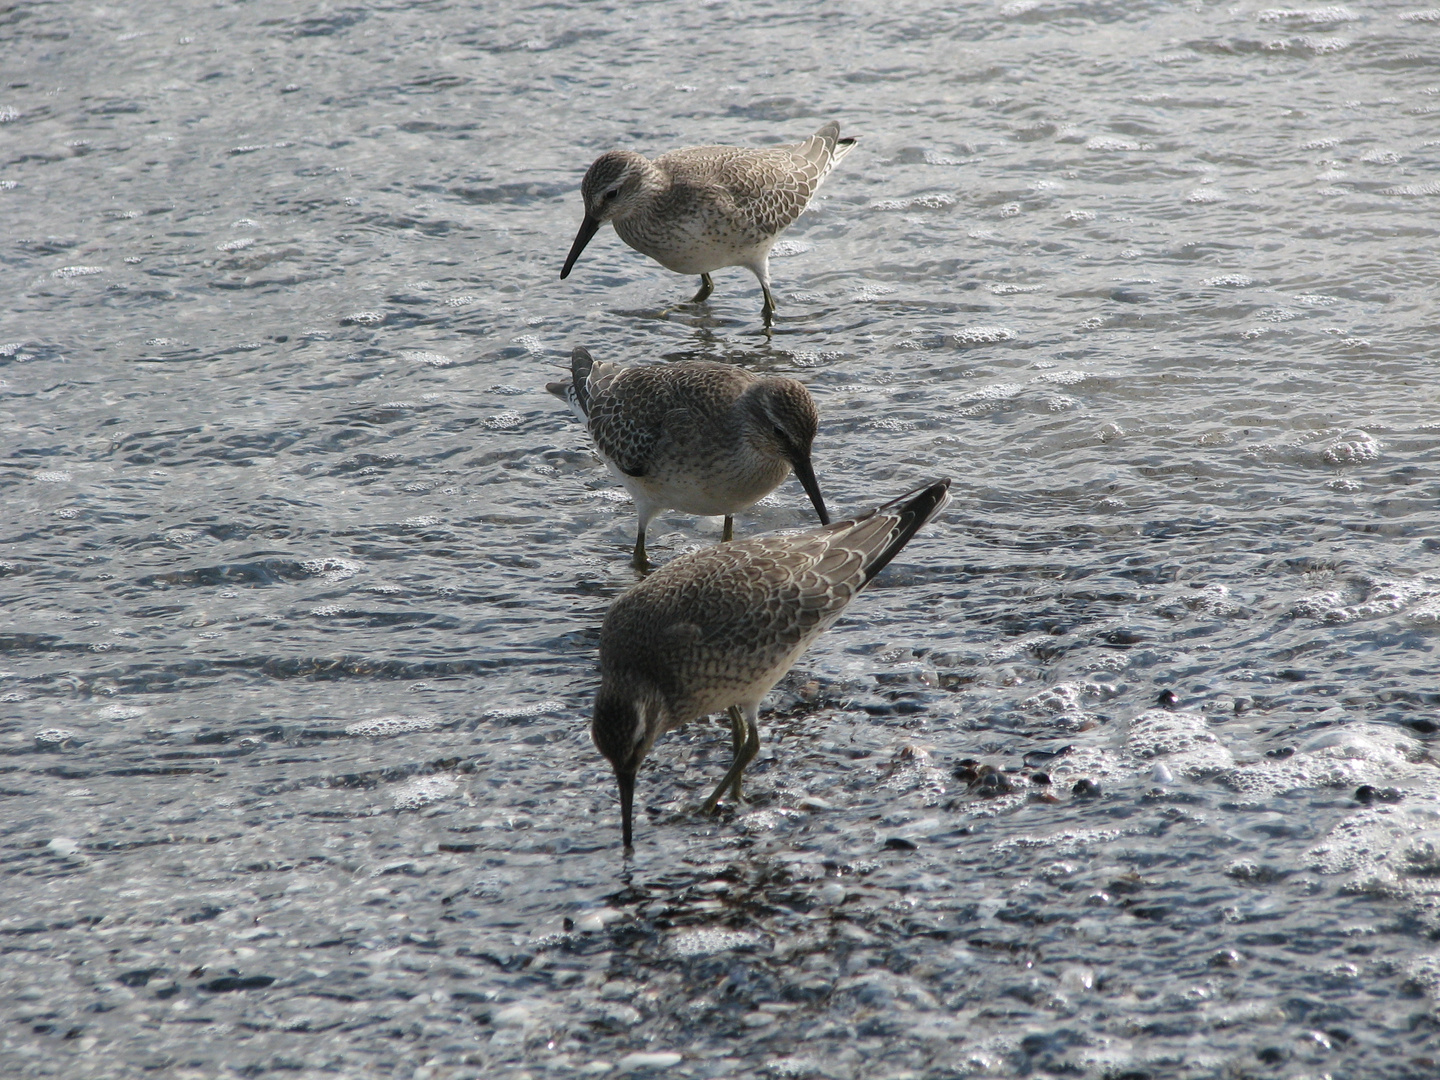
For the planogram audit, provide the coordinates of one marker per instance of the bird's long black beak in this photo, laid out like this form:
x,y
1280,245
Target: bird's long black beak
x,y
806,475
627,806
588,228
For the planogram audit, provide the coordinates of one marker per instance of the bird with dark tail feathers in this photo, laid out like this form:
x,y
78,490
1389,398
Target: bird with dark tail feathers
x,y
705,207
715,630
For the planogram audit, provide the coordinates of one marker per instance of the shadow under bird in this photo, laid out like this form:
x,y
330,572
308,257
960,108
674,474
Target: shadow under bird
x,y
715,630
698,437
705,207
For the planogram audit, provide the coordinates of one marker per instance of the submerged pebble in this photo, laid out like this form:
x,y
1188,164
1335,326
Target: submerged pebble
x,y
1366,794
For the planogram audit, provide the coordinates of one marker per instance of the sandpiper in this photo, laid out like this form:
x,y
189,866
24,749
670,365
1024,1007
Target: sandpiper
x,y
717,629
704,207
697,437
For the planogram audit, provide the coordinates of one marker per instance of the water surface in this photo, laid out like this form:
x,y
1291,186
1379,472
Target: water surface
x,y
303,570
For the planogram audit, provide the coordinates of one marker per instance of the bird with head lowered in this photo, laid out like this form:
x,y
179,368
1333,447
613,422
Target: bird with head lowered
x,y
705,207
715,630
698,437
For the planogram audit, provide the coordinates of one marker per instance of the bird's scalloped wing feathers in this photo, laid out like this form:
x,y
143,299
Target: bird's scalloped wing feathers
x,y
869,537
680,635
903,518
820,153
767,188
629,424
621,438
798,584
677,428
775,187
819,149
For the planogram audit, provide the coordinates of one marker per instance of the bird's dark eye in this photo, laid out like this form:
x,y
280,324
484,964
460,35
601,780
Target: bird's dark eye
x,y
609,195
780,433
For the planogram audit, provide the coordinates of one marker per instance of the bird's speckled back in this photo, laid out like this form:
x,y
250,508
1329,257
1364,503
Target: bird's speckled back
x,y
671,416
729,195
730,620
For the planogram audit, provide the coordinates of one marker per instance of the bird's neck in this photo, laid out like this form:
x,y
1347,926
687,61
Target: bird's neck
x,y
654,184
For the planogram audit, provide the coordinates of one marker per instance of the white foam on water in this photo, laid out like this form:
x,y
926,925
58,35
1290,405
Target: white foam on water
x,y
1325,15
1352,448
982,335
1106,144
384,727
426,357
1382,598
1343,757
1183,739
1390,851
927,202
331,568
710,940
516,712
422,791
1063,703
116,712
648,1061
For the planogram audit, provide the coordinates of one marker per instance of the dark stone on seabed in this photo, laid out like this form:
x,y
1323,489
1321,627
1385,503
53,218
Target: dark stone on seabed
x,y
238,982
1044,757
1365,794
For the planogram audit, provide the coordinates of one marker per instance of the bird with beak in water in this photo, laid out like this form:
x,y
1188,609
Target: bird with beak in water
x,y
715,630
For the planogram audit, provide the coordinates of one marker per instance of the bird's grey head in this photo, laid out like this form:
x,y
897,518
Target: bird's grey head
x,y
619,729
783,422
624,729
786,417
614,184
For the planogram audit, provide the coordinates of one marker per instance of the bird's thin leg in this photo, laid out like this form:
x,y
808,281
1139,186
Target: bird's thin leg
x,y
767,311
751,749
638,560
729,533
645,510
746,747
761,270
706,288
737,731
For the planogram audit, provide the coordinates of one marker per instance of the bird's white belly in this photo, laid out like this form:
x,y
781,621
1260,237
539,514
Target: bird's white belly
x,y
693,247
701,258
721,495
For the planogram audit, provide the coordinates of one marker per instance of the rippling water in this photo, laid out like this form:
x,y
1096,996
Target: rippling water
x,y
303,570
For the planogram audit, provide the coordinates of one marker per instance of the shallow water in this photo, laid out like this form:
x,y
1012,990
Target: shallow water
x,y
304,570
